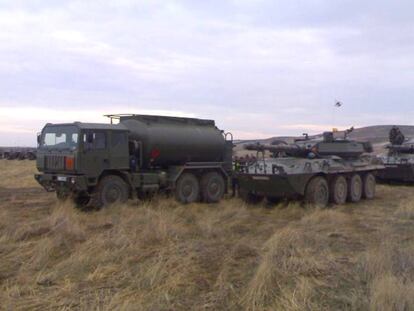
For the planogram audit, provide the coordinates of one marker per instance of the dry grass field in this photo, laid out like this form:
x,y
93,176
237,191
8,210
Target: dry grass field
x,y
164,256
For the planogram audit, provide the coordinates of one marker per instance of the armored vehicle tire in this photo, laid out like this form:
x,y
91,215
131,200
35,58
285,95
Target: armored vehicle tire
x,y
369,185
111,189
339,190
355,188
187,189
212,187
317,192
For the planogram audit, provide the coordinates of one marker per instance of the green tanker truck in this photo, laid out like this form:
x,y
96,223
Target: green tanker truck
x,y
100,164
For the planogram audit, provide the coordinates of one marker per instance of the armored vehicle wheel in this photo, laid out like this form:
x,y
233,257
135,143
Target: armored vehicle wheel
x,y
249,197
317,192
355,188
369,185
187,189
339,190
111,189
212,187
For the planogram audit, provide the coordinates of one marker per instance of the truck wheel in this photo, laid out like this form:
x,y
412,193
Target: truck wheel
x,y
249,197
355,188
212,187
187,189
339,190
81,200
369,185
111,189
317,192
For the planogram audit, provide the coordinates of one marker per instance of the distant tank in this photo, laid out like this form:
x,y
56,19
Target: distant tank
x,y
399,159
318,170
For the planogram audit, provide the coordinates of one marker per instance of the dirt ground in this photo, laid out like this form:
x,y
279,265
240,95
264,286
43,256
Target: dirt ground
x,y
160,255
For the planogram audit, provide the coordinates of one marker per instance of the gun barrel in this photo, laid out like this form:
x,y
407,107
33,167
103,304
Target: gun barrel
x,y
401,148
292,149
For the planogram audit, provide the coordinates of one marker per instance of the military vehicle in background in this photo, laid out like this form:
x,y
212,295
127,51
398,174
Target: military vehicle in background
x,y
318,170
399,160
18,153
100,164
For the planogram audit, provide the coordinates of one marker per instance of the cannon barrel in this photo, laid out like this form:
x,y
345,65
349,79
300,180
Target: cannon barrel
x,y
401,148
294,150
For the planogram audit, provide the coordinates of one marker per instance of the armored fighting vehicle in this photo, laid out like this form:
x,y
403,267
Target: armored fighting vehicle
x,y
399,160
318,170
100,164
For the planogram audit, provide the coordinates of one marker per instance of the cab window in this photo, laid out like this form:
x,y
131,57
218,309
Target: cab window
x,y
94,140
119,139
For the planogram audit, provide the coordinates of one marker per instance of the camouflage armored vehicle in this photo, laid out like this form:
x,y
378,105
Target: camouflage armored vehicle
x,y
100,164
399,160
319,170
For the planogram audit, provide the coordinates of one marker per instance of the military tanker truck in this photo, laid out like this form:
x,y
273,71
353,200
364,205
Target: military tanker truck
x,y
99,164
399,160
318,170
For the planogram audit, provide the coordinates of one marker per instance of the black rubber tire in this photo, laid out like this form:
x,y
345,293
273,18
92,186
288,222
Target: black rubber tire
x,y
187,189
81,200
369,186
110,190
250,197
355,188
212,187
317,192
339,190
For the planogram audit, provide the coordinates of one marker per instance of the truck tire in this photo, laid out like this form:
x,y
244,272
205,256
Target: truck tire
x,y
111,189
317,192
187,189
212,187
249,197
355,188
339,190
369,185
81,200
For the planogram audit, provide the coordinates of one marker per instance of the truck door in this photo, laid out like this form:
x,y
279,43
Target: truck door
x,y
95,156
119,156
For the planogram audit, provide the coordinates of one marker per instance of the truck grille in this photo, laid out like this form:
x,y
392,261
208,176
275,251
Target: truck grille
x,y
55,162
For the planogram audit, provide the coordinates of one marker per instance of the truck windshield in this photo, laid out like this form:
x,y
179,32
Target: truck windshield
x,y
60,137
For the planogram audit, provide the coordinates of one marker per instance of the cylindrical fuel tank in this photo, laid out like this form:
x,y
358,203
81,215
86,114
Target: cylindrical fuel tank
x,y
173,141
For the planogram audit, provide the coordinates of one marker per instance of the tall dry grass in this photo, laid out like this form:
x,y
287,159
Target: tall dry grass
x,y
17,174
161,255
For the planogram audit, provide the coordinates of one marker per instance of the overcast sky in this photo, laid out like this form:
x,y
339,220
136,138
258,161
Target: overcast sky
x,y
259,68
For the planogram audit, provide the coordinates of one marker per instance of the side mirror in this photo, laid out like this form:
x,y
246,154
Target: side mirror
x,y
38,139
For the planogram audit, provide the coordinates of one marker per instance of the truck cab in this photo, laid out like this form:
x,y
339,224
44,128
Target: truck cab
x,y
73,157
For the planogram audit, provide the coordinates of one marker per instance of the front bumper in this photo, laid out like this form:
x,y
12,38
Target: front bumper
x,y
53,182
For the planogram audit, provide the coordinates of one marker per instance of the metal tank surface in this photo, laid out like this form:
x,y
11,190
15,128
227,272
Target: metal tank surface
x,y
399,159
174,141
319,171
